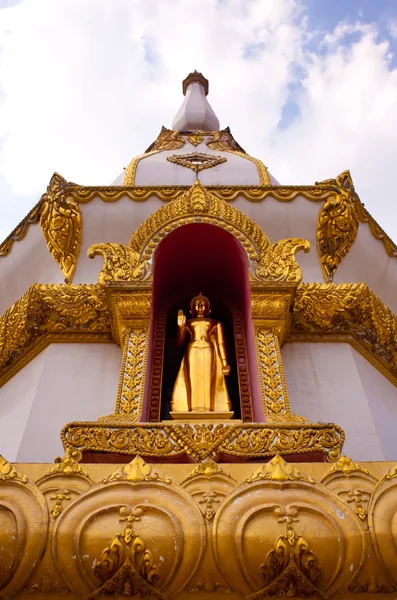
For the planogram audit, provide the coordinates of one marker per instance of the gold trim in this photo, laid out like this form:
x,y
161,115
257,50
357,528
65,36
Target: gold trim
x,y
32,218
192,161
264,178
275,263
130,172
204,441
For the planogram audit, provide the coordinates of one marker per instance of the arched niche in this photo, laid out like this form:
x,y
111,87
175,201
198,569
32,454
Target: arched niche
x,y
192,258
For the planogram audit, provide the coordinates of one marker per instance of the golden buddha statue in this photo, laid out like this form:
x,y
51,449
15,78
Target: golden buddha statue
x,y
200,385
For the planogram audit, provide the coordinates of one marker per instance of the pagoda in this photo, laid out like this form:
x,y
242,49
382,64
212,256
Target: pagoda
x,y
198,382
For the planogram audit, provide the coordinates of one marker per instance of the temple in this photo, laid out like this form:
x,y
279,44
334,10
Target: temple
x,y
198,382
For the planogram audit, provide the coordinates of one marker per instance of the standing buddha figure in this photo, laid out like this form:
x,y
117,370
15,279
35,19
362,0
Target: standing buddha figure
x,y
200,385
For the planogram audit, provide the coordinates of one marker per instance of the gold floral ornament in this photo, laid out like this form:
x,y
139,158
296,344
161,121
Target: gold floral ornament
x,y
337,225
269,262
279,470
126,567
61,223
8,472
197,161
291,568
121,263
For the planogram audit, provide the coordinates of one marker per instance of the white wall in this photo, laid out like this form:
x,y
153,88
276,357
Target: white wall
x,y
331,382
16,400
66,382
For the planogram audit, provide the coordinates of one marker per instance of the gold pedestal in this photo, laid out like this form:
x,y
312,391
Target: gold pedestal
x,y
206,415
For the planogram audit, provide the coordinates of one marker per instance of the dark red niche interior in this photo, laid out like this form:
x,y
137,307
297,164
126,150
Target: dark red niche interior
x,y
204,258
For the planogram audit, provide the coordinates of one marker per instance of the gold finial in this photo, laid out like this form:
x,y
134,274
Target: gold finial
x,y
195,77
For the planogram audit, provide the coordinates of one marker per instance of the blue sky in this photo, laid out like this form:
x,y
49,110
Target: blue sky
x,y
309,86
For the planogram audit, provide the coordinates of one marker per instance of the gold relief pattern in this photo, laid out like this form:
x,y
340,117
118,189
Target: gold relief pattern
x,y
278,470
336,231
201,441
8,472
196,161
273,386
121,263
278,263
154,553
131,387
85,194
61,223
126,567
196,138
346,466
224,141
348,308
166,140
136,471
312,544
291,568
69,464
59,497
50,309
271,262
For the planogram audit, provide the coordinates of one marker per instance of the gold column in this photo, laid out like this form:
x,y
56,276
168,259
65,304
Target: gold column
x,y
271,318
271,373
130,310
133,368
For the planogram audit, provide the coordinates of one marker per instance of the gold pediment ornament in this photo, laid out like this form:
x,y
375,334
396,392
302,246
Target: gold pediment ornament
x,y
337,225
61,223
197,161
278,469
269,262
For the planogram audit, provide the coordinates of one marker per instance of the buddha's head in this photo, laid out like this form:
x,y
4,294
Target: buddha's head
x,y
200,306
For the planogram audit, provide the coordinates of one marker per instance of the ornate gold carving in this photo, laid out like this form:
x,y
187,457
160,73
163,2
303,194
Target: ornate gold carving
x,y
122,263
197,161
8,472
223,140
135,471
273,386
348,308
61,223
201,441
130,172
85,194
132,378
195,77
310,544
126,567
278,470
336,229
68,465
271,262
59,497
196,138
50,309
346,466
291,568
278,263
166,140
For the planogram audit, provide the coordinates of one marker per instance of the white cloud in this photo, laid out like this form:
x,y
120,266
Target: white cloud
x,y
85,85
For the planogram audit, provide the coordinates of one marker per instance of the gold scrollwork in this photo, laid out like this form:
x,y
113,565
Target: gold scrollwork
x,y
204,441
271,262
131,387
291,568
61,223
337,228
273,386
347,308
55,309
126,567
